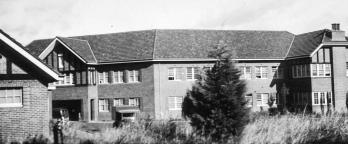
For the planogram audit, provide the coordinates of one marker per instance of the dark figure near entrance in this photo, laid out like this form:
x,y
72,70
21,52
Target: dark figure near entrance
x,y
58,132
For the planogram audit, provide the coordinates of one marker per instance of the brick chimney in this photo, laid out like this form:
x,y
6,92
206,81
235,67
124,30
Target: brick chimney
x,y
337,34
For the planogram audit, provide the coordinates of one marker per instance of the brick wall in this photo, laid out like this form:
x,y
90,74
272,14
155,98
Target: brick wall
x,y
32,119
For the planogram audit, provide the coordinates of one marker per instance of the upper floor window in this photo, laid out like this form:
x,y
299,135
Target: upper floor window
x,y
245,72
11,97
133,76
261,72
321,98
103,77
175,102
119,102
175,73
133,101
262,99
60,60
192,73
321,70
300,71
68,79
277,72
103,105
118,77
322,56
3,65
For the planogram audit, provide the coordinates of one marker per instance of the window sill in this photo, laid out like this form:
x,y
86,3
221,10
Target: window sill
x,y
175,109
13,105
62,85
103,111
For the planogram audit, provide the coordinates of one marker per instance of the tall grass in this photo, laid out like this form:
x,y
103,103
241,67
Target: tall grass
x,y
296,129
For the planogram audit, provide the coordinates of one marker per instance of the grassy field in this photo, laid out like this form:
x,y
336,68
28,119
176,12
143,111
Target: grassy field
x,y
262,129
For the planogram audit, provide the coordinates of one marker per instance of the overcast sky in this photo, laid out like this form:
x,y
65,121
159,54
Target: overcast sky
x,y
27,20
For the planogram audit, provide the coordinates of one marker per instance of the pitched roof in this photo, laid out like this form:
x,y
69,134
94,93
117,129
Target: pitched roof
x,y
81,47
305,44
32,60
174,44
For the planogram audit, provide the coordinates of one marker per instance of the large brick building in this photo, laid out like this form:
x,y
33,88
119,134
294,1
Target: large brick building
x,y
24,96
150,71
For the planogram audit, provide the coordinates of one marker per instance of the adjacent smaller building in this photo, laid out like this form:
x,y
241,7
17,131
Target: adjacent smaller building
x,y
24,93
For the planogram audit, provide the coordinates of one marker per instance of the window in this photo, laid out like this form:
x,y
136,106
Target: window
x,y
103,77
133,76
133,102
175,73
321,70
3,66
322,98
245,72
68,79
118,77
174,102
261,72
262,99
277,72
11,97
60,60
192,73
118,102
249,99
346,68
103,105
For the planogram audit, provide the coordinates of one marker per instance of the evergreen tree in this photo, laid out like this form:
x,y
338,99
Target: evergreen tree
x,y
216,105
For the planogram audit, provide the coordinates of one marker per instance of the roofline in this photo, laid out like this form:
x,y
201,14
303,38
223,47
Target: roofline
x,y
333,43
38,63
179,60
292,41
50,47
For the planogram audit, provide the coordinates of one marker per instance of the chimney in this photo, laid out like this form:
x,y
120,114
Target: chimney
x,y
337,34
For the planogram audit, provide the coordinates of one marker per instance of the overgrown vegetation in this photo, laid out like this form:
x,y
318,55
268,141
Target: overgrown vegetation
x,y
216,106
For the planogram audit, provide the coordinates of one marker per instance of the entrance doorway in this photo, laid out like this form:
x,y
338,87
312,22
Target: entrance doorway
x,y
74,108
92,110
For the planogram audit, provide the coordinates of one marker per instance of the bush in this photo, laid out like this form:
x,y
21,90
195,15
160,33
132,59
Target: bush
x,y
216,105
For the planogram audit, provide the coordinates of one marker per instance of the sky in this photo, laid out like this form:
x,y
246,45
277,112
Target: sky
x,y
27,20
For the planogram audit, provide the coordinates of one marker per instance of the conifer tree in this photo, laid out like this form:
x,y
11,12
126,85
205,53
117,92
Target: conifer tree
x,y
216,105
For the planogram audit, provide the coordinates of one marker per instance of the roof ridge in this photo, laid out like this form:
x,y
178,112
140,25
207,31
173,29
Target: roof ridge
x,y
96,61
73,38
290,46
154,44
71,48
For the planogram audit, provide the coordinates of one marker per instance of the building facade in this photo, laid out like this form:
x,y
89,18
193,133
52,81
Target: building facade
x,y
149,72
24,95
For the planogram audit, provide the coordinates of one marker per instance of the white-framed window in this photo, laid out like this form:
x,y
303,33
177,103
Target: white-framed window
x,y
133,101
277,72
249,99
103,77
60,60
261,72
175,73
175,102
3,65
262,99
119,102
133,76
245,72
321,70
68,79
192,73
103,105
118,77
11,97
321,98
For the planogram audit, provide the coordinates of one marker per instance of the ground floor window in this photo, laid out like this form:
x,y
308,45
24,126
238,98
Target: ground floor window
x,y
321,98
262,99
11,97
103,105
249,99
175,102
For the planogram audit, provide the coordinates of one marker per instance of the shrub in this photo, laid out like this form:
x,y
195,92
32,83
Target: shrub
x,y
216,105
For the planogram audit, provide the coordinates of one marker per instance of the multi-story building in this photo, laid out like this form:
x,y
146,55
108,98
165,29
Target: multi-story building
x,y
150,71
24,94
